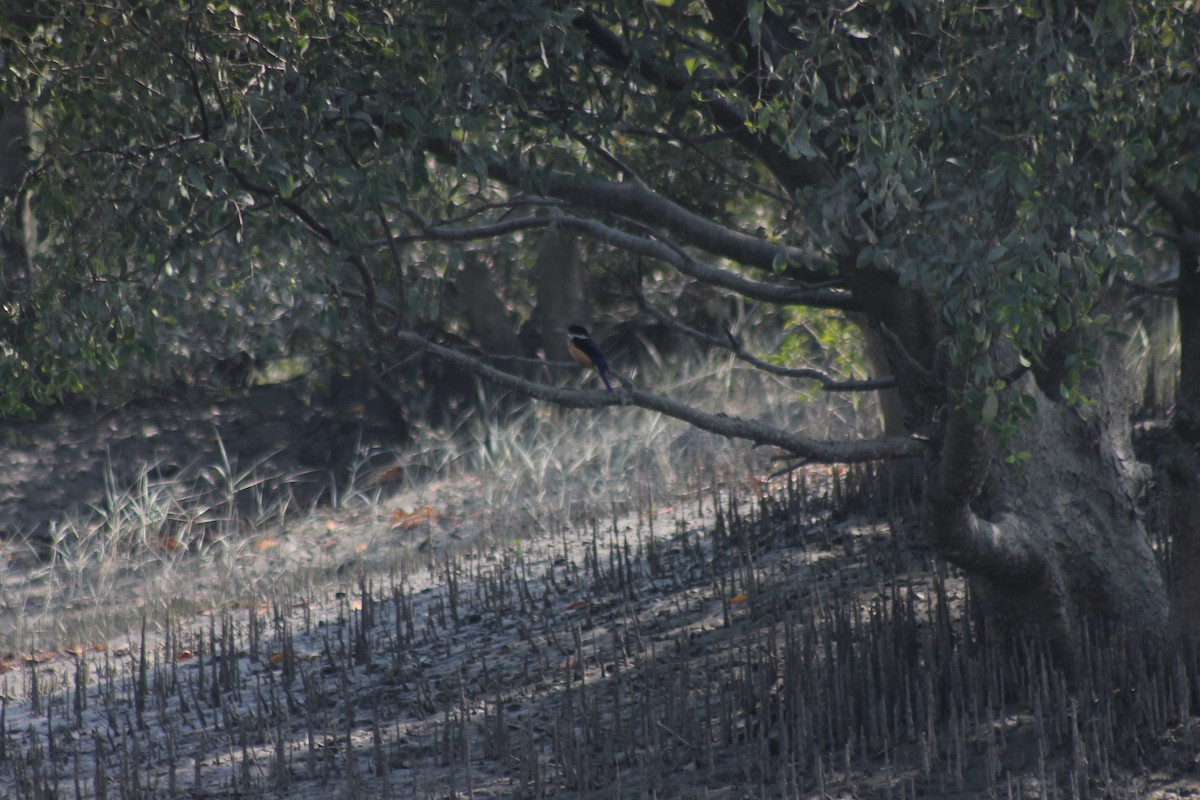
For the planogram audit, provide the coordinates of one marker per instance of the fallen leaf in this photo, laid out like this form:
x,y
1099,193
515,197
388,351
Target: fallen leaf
x,y
411,519
392,474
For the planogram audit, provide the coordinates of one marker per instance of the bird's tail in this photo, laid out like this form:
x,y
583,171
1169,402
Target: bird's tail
x,y
604,377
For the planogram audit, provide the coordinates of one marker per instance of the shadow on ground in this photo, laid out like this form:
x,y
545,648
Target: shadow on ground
x,y
269,440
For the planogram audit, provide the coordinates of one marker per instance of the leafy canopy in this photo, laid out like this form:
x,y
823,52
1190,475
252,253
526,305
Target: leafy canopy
x,y
208,176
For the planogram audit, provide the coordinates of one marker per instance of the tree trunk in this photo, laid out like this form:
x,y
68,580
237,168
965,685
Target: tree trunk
x,y
901,477
1183,452
1056,539
561,297
487,315
1183,476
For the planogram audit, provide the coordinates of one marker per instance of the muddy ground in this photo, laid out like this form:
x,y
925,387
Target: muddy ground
x,y
721,646
69,460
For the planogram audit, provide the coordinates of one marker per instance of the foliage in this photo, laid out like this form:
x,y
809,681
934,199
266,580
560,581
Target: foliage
x,y
212,177
822,339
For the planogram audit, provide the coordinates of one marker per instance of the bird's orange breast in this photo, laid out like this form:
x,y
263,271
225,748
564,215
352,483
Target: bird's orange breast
x,y
578,354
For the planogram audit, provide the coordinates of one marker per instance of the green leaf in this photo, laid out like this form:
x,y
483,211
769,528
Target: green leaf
x,y
754,16
780,262
991,407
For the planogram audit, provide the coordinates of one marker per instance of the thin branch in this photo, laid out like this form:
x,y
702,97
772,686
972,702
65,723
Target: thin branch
x,y
606,155
827,381
369,299
842,452
1166,288
651,248
694,143
754,186
369,303
793,173
731,343
335,290
397,268
301,213
194,80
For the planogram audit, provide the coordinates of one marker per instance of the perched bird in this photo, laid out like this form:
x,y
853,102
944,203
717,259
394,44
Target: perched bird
x,y
586,352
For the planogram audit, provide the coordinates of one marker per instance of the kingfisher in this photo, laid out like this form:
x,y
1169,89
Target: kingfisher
x,y
586,352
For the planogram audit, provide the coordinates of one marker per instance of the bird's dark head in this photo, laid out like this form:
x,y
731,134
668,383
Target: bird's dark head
x,y
577,330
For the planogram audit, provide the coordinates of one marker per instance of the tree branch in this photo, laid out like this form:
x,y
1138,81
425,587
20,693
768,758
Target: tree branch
x,y
1175,206
996,548
638,201
397,267
1165,288
445,233
681,261
651,248
730,343
303,214
842,452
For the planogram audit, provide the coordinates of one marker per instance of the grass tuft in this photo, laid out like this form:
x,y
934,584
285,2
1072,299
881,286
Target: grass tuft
x,y
159,546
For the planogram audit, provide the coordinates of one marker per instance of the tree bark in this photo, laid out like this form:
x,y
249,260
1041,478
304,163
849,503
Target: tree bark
x,y
902,477
1183,452
1056,539
561,299
486,314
